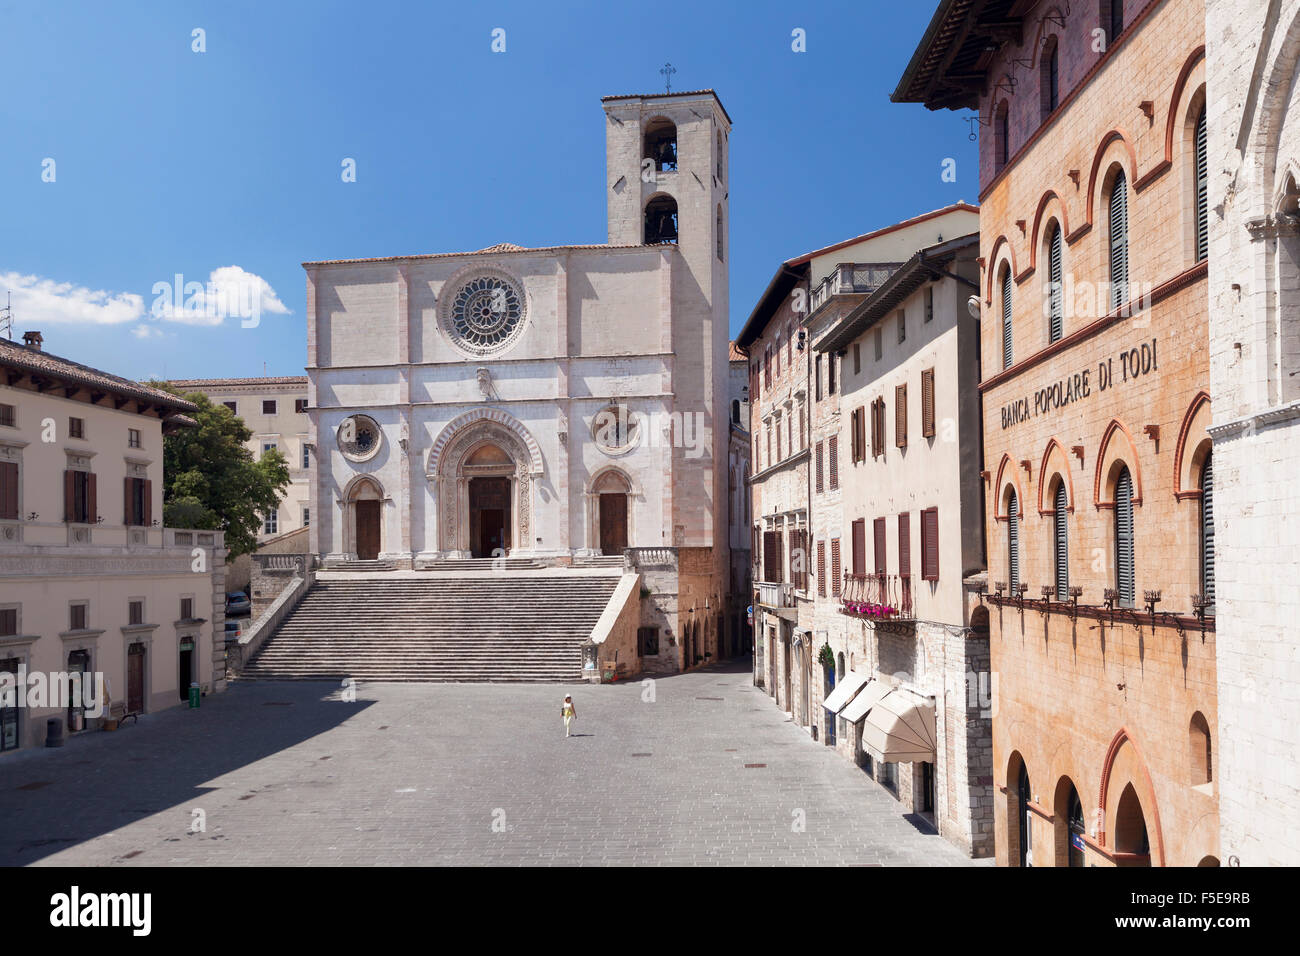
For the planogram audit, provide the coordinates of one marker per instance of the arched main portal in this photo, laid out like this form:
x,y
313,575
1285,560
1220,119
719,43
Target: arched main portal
x,y
610,493
482,469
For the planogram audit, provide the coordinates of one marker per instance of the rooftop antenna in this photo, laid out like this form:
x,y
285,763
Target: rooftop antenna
x,y
7,316
667,73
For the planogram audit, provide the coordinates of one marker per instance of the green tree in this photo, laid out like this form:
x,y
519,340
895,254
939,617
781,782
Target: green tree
x,y
211,479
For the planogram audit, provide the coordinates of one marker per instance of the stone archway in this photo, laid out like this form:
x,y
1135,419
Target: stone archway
x,y
482,470
363,518
609,512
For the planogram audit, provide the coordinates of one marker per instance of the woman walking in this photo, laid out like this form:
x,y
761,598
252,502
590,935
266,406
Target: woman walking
x,y
569,712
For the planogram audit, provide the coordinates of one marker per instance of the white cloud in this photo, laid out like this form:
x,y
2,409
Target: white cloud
x,y
143,331
229,292
38,301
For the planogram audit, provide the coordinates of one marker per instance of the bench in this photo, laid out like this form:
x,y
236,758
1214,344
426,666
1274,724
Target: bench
x,y
117,711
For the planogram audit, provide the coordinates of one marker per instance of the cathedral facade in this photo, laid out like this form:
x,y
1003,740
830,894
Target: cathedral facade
x,y
557,404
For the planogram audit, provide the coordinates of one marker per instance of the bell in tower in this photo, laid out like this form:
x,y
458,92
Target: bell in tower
x,y
661,221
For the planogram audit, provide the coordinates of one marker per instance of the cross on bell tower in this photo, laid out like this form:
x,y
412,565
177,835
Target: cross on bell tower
x,y
667,73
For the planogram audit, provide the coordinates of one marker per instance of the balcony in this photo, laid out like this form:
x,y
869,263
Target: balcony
x,y
886,597
775,594
849,278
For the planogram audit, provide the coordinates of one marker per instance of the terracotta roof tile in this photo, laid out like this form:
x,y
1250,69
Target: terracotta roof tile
x,y
199,384
39,362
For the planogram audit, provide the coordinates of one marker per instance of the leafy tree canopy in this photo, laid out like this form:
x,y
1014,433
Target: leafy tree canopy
x,y
211,479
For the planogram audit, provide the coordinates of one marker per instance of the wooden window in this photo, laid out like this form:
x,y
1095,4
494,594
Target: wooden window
x,y
300,406
857,358
819,472
817,377
233,406
1055,294
905,544
135,612
1207,534
306,455
927,403
776,358
878,531
9,490
1060,543
77,617
833,453
878,340
835,567
187,609
1006,316
830,374
1119,241
1013,543
1124,565
1049,78
79,498
268,406
271,523
8,415
8,623
133,438
877,427
137,502
854,450
900,416
929,303
859,556
771,556
821,568
1202,190
647,641
902,326
767,366
930,544
76,428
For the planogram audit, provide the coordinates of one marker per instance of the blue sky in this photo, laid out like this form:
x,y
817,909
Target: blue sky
x,y
227,163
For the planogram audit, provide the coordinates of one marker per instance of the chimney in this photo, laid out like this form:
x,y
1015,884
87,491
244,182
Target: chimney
x,y
33,340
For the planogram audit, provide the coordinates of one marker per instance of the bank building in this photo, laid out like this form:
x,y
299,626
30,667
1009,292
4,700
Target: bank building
x,y
557,408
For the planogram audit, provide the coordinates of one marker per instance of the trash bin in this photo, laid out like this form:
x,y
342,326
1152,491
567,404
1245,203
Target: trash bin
x,y
54,732
194,694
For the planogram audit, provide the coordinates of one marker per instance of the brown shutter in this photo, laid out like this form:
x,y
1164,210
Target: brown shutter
x,y
905,544
930,544
92,509
833,451
821,568
127,516
148,503
860,546
69,495
820,477
835,567
900,416
8,489
927,403
879,530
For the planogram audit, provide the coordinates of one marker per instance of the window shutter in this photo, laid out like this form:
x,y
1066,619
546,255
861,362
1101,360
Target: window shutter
x,y
8,489
778,556
1006,317
927,403
1202,190
905,544
69,495
148,503
1124,576
833,452
820,480
853,435
1119,242
900,416
835,567
1013,543
1056,327
1062,545
821,568
860,546
128,513
1207,527
879,530
930,544
92,508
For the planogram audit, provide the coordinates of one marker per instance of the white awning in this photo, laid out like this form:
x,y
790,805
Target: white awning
x,y
867,698
900,729
844,691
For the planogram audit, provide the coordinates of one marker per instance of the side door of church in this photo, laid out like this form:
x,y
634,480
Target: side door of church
x,y
613,524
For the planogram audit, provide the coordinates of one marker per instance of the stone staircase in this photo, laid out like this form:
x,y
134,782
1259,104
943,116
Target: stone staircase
x,y
485,627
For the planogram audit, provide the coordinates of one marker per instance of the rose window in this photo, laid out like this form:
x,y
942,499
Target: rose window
x,y
485,313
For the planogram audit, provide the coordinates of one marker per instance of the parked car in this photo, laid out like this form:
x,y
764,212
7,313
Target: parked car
x,y
233,630
237,603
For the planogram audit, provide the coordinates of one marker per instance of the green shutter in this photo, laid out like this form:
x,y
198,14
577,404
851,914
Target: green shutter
x,y
1124,581
1062,546
1119,242
1013,544
1054,285
1006,317
1202,191
1207,534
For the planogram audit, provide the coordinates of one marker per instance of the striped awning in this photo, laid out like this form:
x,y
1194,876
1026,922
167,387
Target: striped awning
x,y
900,729
867,698
844,691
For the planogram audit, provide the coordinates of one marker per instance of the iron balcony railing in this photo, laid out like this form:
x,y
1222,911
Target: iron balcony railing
x,y
851,277
883,596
